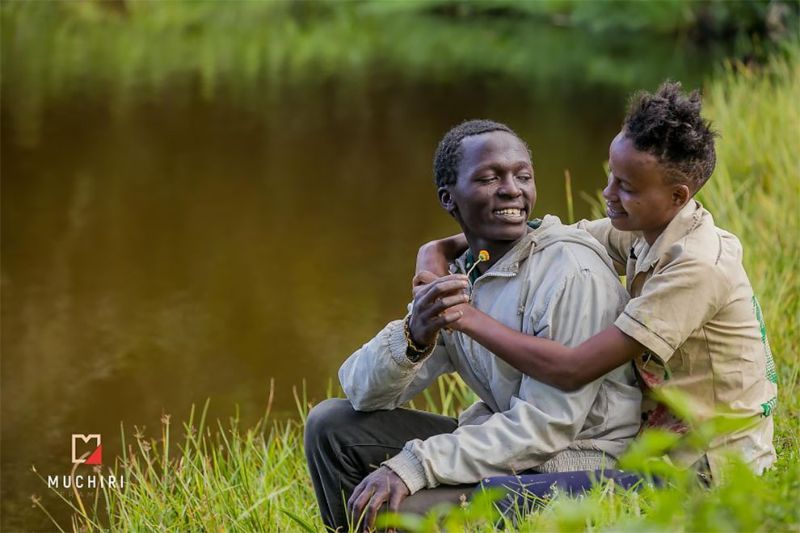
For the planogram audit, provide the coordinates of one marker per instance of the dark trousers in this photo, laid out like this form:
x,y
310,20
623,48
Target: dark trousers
x,y
526,492
344,445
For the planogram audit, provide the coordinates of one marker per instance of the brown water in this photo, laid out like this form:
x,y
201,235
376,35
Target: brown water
x,y
180,248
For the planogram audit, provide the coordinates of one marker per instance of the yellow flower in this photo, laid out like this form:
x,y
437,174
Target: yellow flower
x,y
483,255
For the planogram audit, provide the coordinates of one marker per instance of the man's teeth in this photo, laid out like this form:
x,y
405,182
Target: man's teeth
x,y
509,212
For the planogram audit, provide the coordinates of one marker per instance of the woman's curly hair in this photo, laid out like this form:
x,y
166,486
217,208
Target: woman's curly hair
x,y
668,125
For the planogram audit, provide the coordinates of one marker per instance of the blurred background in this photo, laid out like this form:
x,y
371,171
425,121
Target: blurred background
x,y
200,197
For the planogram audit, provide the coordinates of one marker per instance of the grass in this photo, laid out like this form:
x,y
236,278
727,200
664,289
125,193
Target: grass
x,y
224,477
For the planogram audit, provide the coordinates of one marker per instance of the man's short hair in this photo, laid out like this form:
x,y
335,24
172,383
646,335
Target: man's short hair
x,y
668,125
448,153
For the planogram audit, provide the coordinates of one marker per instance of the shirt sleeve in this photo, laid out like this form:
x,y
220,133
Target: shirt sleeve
x,y
674,302
617,243
540,421
380,376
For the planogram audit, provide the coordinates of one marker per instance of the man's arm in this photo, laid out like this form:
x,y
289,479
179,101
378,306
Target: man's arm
x,y
539,421
381,375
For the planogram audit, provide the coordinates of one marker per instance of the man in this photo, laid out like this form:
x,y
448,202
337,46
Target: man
x,y
542,279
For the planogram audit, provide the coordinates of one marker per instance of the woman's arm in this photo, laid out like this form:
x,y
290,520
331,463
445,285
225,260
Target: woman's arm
x,y
543,359
436,256
546,360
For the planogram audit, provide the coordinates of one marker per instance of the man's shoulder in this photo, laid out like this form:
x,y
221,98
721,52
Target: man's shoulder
x,y
570,248
571,276
568,258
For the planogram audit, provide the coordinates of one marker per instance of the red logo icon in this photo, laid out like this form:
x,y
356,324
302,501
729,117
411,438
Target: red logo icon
x,y
94,453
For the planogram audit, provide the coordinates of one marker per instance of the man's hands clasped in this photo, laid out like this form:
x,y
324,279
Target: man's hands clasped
x,y
438,303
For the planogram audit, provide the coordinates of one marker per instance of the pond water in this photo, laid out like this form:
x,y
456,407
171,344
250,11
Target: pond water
x,y
165,248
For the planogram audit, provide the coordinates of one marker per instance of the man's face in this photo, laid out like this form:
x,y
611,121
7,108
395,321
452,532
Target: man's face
x,y
494,192
638,195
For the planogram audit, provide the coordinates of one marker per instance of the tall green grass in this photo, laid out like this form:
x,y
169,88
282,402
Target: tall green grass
x,y
755,193
224,477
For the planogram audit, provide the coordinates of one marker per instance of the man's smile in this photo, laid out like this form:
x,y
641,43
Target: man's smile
x,y
511,214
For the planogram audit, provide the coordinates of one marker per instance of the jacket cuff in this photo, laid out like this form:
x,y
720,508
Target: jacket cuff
x,y
406,465
398,344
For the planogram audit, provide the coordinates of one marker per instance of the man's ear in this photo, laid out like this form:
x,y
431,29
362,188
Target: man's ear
x,y
680,195
446,200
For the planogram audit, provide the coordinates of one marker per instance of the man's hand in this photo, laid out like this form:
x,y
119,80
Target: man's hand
x,y
378,488
421,279
433,305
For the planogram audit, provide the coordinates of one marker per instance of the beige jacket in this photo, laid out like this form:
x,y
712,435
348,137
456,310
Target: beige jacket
x,y
693,308
558,283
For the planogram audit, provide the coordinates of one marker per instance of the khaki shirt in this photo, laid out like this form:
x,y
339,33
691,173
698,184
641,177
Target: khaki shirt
x,y
557,283
693,308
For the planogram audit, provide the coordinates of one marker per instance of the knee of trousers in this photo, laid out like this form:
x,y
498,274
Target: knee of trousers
x,y
325,420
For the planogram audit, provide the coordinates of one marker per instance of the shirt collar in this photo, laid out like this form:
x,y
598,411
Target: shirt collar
x,y
509,263
685,221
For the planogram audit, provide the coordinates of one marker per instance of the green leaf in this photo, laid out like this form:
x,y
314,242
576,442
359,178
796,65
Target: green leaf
x,y
653,443
302,523
404,521
679,403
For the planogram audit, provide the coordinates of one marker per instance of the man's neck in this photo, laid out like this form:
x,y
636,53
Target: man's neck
x,y
496,249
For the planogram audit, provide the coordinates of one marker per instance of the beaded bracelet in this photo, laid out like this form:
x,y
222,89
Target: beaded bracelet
x,y
414,352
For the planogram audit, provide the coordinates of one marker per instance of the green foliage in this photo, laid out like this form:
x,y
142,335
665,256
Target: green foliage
x,y
258,48
704,19
453,396
743,501
479,513
221,479
755,190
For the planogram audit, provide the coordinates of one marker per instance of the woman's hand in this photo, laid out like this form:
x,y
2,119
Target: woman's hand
x,y
421,279
436,256
431,258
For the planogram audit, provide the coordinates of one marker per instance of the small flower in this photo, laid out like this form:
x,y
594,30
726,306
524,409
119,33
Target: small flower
x,y
483,255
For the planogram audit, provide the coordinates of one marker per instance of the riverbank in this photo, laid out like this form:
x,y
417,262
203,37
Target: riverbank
x,y
254,479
